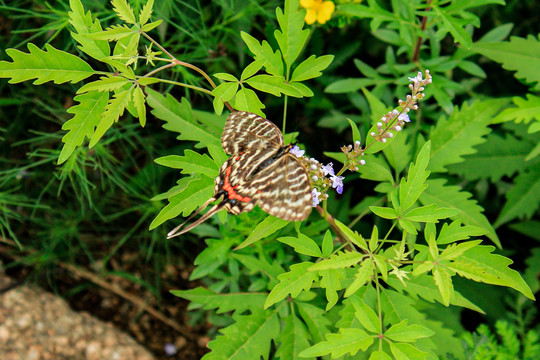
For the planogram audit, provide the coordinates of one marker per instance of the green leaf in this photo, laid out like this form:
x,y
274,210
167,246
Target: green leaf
x,y
302,245
424,287
456,250
83,24
146,12
191,162
410,189
399,152
453,197
252,69
315,319
518,54
455,26
429,214
293,338
341,260
249,337
352,236
347,341
365,315
50,65
237,302
224,92
114,109
455,137
292,282
273,62
124,11
178,117
525,110
523,199
479,264
355,132
291,38
265,228
106,83
403,351
455,232
443,280
384,212
376,169
151,26
327,244
247,100
407,333
311,67
274,85
138,101
87,115
362,277
348,85
497,157
408,226
196,193
112,33
379,355
330,281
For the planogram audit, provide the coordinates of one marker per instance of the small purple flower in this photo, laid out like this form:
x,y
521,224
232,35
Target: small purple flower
x,y
337,183
315,193
404,117
327,169
170,349
296,151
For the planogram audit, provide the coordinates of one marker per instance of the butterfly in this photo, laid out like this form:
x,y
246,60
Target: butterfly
x,y
261,171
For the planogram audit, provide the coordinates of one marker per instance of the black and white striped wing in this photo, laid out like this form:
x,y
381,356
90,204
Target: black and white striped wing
x,y
283,190
246,131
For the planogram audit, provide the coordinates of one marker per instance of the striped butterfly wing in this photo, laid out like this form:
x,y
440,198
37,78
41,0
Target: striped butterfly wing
x,y
282,189
246,131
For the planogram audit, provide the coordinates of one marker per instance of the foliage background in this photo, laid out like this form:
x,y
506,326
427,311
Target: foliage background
x,y
95,211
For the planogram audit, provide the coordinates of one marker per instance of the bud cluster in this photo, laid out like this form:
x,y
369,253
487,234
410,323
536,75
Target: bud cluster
x,y
396,119
353,154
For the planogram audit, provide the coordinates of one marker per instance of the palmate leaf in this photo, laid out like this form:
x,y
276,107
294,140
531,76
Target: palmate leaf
x,y
191,163
178,117
249,337
479,264
407,352
275,85
292,282
407,333
247,100
83,24
456,136
518,54
497,157
87,115
114,109
454,25
197,191
49,65
291,38
453,197
293,339
523,199
237,302
112,33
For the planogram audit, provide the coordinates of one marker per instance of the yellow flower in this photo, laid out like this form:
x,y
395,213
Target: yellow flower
x,y
318,10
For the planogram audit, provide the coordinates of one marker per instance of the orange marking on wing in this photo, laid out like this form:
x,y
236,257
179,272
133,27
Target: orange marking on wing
x,y
230,189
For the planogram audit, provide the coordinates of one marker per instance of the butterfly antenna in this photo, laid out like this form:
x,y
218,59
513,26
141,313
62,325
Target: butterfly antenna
x,y
214,209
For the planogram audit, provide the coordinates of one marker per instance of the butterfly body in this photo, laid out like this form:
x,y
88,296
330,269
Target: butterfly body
x,y
261,171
